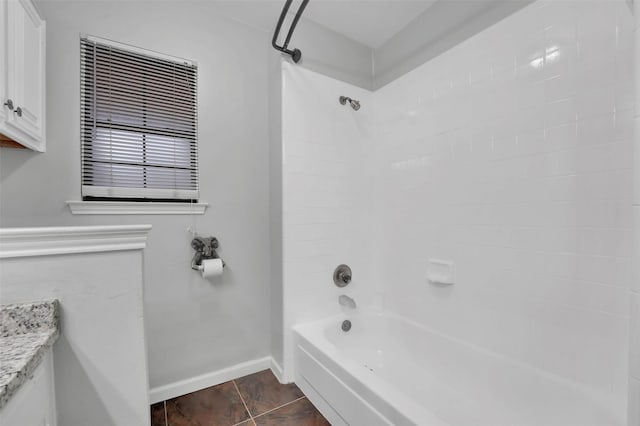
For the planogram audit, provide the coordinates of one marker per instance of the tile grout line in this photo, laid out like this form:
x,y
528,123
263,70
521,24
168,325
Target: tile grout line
x,y
166,419
251,417
283,405
243,402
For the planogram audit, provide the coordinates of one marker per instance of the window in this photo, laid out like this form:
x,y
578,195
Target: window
x,y
138,124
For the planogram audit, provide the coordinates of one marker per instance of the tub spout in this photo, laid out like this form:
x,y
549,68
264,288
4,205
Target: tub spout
x,y
345,300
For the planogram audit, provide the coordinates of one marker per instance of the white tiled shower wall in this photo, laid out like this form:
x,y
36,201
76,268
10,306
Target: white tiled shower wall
x,y
510,154
325,195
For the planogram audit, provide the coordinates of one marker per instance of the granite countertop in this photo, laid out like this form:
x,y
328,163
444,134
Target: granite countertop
x,y
27,331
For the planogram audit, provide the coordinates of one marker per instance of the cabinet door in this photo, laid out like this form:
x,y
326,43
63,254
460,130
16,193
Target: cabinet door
x,y
26,72
3,61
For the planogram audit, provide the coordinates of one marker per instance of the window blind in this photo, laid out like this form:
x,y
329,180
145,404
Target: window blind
x,y
138,124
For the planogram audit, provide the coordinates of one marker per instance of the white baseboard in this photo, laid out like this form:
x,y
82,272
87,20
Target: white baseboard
x,y
277,371
182,387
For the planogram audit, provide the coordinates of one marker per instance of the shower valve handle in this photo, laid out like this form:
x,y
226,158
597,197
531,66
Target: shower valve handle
x,y
342,275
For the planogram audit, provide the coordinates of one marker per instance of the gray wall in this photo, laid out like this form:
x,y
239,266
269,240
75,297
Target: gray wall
x,y
323,50
275,207
634,326
332,54
193,326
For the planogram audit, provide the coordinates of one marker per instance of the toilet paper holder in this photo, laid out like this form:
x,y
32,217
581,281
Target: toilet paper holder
x,y
205,248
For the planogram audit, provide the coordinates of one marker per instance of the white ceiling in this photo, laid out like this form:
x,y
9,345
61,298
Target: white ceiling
x,y
370,22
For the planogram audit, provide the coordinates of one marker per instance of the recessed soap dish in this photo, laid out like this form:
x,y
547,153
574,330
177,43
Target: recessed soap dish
x,y
440,272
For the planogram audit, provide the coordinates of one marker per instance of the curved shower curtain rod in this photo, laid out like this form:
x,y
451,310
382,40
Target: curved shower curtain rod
x,y
296,54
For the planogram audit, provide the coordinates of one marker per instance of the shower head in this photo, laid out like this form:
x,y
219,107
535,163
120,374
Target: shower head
x,y
354,104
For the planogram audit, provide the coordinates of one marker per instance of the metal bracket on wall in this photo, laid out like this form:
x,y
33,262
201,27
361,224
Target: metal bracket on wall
x,y
205,248
296,54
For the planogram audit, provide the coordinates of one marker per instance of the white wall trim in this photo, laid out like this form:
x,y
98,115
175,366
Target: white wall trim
x,y
277,371
43,241
131,207
182,387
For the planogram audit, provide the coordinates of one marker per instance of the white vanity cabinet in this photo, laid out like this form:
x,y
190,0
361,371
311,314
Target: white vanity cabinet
x,y
22,66
33,404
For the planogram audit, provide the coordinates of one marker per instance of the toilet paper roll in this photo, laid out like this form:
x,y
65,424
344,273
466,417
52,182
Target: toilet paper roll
x,y
211,268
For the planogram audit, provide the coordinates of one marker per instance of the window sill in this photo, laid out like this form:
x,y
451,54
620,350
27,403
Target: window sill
x,y
128,207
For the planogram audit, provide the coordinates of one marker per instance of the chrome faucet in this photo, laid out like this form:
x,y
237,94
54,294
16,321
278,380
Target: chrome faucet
x,y
345,300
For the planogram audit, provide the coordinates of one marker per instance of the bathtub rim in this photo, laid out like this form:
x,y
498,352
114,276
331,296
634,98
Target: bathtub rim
x,y
377,393
321,346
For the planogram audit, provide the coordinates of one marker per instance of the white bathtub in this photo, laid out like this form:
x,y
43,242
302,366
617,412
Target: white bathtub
x,y
389,370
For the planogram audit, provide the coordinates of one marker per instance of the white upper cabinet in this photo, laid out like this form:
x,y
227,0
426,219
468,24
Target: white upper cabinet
x,y
22,62
3,60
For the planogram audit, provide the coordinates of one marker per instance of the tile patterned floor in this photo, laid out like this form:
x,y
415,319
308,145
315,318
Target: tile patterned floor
x,y
254,400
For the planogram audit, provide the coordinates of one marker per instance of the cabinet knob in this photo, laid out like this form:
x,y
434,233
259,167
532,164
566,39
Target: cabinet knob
x,y
18,111
9,104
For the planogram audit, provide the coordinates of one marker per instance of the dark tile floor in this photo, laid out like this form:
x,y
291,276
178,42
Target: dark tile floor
x,y
254,400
